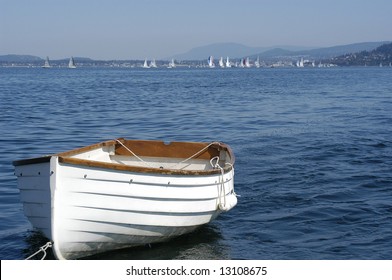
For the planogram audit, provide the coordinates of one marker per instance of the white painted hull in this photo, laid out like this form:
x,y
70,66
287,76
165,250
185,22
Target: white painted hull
x,y
86,210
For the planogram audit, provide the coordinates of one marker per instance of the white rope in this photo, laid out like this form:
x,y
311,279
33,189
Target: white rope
x,y
42,249
170,166
221,183
133,153
192,156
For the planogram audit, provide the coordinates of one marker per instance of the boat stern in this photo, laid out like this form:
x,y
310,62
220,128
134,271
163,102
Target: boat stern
x,y
33,182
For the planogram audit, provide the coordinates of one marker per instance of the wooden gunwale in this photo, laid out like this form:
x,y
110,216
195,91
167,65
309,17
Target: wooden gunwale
x,y
146,148
139,169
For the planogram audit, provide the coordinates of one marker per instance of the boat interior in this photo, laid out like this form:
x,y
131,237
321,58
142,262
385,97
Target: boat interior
x,y
153,155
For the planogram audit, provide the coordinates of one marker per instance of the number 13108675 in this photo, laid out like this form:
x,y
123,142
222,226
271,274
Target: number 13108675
x,y
243,270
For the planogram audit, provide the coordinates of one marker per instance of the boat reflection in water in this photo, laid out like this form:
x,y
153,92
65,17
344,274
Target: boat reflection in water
x,y
202,244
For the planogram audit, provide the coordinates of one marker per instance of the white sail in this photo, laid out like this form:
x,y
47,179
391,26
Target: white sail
x,y
172,64
257,62
211,63
228,63
247,63
46,64
242,63
221,63
300,63
71,63
145,64
153,64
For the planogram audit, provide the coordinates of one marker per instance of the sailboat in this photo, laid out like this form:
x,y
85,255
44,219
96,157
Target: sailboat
x,y
247,62
242,63
257,62
221,63
46,64
153,64
228,63
300,63
145,64
211,63
171,64
71,63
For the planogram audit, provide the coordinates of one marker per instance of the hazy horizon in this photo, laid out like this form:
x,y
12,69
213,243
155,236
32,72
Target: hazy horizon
x,y
121,29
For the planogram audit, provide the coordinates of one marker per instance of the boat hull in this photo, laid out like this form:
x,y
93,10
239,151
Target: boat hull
x,y
87,210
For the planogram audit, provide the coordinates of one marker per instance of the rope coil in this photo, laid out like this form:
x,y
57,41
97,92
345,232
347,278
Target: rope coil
x,y
221,184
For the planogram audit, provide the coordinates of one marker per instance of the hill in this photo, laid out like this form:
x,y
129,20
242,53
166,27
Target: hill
x,y
379,56
235,51
232,50
318,53
343,49
30,60
217,50
15,58
367,53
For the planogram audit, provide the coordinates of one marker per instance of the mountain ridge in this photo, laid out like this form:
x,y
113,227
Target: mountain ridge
x,y
236,50
24,58
379,56
17,58
230,49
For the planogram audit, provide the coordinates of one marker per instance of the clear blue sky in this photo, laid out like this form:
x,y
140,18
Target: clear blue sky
x,y
129,29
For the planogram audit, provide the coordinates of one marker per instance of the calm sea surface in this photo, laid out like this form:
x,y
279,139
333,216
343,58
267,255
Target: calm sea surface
x,y
313,151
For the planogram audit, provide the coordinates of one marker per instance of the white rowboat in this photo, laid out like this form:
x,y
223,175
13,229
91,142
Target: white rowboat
x,y
123,193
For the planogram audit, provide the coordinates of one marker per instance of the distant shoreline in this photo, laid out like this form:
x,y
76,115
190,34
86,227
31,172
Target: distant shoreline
x,y
359,54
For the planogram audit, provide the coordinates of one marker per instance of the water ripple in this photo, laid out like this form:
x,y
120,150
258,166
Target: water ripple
x,y
313,151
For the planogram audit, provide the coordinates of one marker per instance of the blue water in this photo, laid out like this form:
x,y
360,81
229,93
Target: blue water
x,y
313,151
